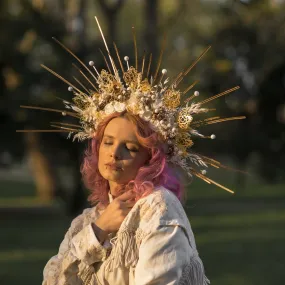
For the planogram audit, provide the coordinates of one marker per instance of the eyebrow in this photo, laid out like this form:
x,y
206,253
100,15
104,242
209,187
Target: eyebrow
x,y
128,141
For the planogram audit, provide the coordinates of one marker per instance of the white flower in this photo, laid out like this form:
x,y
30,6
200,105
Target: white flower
x,y
147,115
157,104
119,107
109,108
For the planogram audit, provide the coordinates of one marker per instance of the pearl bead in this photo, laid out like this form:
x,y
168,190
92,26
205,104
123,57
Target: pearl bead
x,y
70,88
173,130
213,137
63,113
91,63
164,71
203,171
126,58
196,93
120,97
156,111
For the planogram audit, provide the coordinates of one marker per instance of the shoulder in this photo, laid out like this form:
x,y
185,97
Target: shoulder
x,y
83,220
161,207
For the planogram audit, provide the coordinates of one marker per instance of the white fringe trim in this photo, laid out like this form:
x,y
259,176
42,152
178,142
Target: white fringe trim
x,y
124,252
193,273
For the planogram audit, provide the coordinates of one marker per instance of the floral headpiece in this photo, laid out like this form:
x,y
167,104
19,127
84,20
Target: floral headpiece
x,y
152,97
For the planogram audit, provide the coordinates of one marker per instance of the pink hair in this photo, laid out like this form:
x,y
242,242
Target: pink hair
x,y
156,173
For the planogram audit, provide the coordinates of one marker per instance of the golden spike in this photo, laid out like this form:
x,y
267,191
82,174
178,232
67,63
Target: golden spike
x,y
219,95
189,88
160,57
64,128
81,84
66,124
143,61
85,76
135,46
149,63
224,120
42,131
175,79
192,65
119,58
212,118
69,51
208,180
112,62
215,120
106,61
51,110
60,77
217,164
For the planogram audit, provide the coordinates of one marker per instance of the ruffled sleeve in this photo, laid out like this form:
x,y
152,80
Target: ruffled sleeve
x,y
162,256
167,252
79,249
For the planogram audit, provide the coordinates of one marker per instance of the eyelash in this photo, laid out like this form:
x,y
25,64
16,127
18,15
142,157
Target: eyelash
x,y
132,150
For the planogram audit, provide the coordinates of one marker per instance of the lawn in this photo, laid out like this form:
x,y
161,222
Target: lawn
x,y
240,237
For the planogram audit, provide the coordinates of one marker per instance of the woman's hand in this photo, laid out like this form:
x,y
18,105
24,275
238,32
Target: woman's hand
x,y
113,216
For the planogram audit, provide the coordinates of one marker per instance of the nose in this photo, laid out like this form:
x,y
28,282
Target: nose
x,y
116,152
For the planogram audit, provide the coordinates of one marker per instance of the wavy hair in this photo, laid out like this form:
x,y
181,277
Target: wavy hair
x,y
155,173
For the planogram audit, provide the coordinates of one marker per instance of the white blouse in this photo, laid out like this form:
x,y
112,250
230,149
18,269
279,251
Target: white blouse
x,y
154,245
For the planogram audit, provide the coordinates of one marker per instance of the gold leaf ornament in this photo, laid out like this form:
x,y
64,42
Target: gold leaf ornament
x,y
184,118
184,139
171,98
132,77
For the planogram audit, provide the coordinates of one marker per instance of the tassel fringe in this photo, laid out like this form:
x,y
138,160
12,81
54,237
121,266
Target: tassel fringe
x,y
194,273
124,252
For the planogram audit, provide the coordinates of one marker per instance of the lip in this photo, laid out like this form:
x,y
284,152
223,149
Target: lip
x,y
114,166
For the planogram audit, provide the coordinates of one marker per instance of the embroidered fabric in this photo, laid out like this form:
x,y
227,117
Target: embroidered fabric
x,y
74,263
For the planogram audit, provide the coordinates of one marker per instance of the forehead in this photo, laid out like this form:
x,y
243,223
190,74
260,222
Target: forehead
x,y
121,129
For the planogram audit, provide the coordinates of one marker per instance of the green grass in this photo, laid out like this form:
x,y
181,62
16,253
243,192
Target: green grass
x,y
240,237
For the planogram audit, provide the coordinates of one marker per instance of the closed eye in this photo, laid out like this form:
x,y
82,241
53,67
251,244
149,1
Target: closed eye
x,y
130,149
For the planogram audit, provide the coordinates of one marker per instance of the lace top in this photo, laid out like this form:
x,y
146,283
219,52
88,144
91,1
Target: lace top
x,y
154,245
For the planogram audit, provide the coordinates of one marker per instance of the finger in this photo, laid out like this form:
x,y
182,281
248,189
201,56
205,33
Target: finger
x,y
129,204
126,196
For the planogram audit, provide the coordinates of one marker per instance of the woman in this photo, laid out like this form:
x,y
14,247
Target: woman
x,y
138,124
138,233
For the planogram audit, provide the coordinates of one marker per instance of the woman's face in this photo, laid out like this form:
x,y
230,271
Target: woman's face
x,y
121,149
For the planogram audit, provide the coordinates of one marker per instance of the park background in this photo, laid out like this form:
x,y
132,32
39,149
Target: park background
x,y
240,237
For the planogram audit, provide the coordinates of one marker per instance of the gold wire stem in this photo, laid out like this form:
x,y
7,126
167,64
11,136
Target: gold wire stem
x,y
215,120
143,61
119,58
224,120
50,110
42,131
85,76
66,124
61,78
189,88
81,84
173,83
65,128
69,51
112,62
160,57
219,95
135,47
210,181
149,63
105,61
191,66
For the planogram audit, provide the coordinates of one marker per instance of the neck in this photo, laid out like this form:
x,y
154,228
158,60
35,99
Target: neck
x,y
113,185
